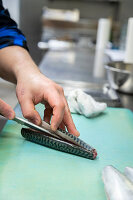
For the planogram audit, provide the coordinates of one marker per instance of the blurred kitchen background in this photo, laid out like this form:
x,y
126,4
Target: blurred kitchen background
x,y
62,35
29,13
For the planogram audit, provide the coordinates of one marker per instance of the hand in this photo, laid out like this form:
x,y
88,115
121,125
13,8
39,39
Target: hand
x,y
33,88
17,66
6,110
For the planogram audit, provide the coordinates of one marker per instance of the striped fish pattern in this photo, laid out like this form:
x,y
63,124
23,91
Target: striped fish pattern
x,y
57,144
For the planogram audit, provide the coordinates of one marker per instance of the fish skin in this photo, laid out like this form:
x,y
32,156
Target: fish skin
x,y
117,185
54,143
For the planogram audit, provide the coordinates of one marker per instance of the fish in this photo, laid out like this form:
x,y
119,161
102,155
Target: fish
x,y
60,137
117,185
129,173
57,143
64,135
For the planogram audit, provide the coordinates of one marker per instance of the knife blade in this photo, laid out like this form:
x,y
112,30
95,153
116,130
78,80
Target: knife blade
x,y
60,134
31,125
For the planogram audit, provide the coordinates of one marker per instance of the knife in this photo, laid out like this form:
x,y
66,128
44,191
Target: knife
x,y
59,133
31,125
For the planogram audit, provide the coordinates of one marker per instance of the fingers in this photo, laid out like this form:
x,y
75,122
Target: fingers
x,y
61,114
58,113
40,89
62,126
29,112
56,102
47,114
68,121
6,110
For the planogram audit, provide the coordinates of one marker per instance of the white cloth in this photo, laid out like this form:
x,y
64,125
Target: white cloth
x,y
82,103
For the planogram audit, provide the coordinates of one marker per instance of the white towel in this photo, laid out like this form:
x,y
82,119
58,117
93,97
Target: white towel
x,y
82,103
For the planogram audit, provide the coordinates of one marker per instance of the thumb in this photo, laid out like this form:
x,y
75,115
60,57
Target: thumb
x,y
6,110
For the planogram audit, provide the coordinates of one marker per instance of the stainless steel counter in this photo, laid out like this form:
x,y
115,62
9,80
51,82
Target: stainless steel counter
x,y
75,69
76,65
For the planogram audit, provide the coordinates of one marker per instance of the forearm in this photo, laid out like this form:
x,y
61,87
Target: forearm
x,y
32,88
15,61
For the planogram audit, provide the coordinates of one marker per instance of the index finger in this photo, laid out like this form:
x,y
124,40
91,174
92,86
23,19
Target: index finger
x,y
68,121
56,101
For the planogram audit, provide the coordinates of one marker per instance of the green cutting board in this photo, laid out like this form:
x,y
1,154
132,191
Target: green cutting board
x,y
30,171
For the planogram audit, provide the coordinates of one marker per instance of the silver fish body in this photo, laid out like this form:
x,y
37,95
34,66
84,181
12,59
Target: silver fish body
x,y
117,185
129,173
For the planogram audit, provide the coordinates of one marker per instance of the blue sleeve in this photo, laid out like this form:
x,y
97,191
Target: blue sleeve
x,y
10,35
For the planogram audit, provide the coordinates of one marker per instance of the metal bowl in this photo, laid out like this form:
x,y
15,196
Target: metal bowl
x,y
120,76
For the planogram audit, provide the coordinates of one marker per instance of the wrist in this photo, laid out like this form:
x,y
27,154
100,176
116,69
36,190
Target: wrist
x,y
24,65
16,63
22,70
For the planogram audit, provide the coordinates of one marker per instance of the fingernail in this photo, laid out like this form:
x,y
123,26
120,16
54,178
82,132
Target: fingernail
x,y
10,115
53,127
36,121
77,134
32,120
